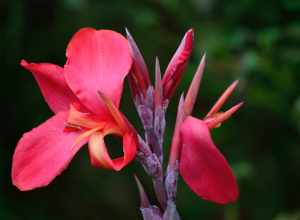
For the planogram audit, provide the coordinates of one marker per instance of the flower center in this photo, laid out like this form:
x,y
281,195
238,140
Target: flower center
x,y
95,130
88,124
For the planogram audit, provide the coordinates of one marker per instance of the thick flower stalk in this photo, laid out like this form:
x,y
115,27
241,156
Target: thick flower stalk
x,y
84,96
193,154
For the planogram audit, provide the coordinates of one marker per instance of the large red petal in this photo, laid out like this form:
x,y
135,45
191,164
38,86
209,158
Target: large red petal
x,y
97,61
203,167
51,81
43,153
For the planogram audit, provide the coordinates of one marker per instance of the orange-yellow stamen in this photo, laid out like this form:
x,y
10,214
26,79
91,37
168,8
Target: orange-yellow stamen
x,y
88,124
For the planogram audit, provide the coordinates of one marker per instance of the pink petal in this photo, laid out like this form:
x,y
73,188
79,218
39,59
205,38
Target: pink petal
x,y
43,153
52,84
97,61
203,167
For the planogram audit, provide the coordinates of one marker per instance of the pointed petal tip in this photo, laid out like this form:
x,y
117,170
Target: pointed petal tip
x,y
131,41
181,99
28,66
240,104
157,64
232,86
156,60
194,87
138,183
235,83
158,84
52,84
223,98
190,32
24,63
203,59
157,71
189,37
127,32
236,107
143,196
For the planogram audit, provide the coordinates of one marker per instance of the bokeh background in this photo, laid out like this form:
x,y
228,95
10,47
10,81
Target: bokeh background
x,y
257,42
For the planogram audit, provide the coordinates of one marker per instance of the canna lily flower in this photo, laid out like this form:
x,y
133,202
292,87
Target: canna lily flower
x,y
202,166
84,96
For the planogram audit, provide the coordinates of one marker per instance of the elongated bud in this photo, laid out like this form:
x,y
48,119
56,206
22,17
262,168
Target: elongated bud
x,y
192,93
139,76
177,65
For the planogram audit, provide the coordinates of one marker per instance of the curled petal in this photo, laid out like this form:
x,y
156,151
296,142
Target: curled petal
x,y
203,167
176,67
99,154
97,61
52,84
43,153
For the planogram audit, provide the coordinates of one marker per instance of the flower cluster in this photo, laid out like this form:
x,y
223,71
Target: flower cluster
x,y
84,96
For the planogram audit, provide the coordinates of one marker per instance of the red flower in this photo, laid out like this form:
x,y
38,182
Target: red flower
x,y
201,164
84,95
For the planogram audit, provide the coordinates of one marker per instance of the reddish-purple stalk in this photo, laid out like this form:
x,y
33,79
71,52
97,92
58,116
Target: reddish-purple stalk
x,y
151,103
152,114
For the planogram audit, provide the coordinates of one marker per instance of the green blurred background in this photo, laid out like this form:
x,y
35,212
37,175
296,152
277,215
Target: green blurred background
x,y
257,42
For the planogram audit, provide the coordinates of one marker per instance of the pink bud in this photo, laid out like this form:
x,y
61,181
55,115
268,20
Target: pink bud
x,y
177,65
